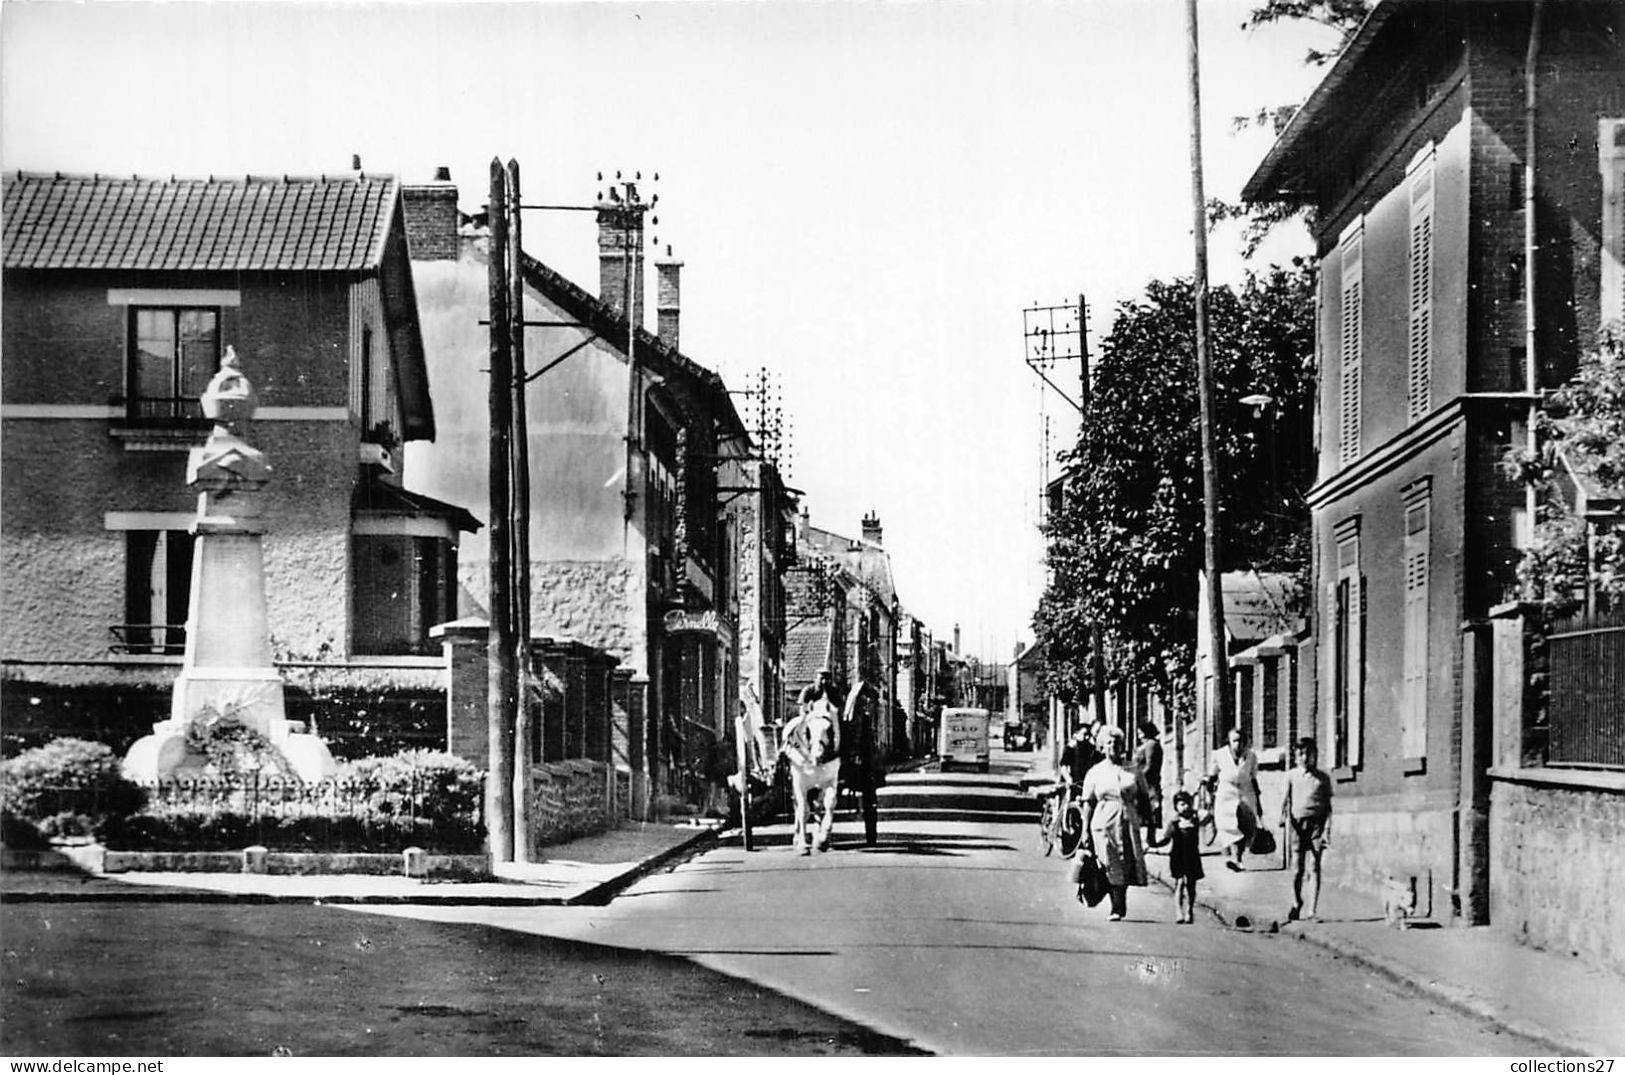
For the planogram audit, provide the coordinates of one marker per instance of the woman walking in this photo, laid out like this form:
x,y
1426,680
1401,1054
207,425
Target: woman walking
x,y
1234,778
1112,797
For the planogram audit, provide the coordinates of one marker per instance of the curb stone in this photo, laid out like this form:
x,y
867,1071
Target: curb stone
x,y
597,895
1461,1000
603,892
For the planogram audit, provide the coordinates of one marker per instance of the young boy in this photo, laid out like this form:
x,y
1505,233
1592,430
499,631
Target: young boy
x,y
1307,808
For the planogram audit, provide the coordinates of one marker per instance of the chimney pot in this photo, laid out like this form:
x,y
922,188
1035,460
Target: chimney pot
x,y
442,174
432,219
871,528
668,299
355,162
620,238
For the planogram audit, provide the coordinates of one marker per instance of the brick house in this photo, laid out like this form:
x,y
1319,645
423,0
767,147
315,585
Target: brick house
x,y
658,532
1411,155
121,296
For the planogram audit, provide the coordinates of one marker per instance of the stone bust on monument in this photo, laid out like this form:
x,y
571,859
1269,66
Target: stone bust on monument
x,y
228,687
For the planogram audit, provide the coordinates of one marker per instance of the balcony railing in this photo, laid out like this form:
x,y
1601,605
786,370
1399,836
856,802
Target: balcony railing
x,y
148,638
154,410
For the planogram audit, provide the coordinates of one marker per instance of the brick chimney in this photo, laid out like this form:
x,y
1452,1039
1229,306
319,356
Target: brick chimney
x,y
620,235
431,218
668,298
871,528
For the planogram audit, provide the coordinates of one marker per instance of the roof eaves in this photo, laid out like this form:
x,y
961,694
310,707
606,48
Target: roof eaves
x,y
1268,181
610,323
392,206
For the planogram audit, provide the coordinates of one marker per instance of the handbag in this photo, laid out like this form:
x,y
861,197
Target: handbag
x,y
1090,877
1263,842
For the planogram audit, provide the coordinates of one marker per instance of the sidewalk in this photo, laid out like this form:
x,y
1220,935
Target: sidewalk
x,y
1479,970
1476,969
590,870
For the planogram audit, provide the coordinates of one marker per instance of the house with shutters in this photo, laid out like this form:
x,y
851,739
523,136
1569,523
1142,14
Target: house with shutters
x,y
1462,164
659,528
121,296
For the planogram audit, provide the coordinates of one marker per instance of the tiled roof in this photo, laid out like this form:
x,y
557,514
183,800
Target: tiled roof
x,y
1258,605
327,223
806,650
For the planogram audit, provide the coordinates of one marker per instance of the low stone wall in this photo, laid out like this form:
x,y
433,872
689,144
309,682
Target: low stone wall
x,y
95,858
1556,871
568,799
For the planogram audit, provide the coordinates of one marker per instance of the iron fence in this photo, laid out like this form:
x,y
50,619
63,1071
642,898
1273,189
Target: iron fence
x,y
1586,707
285,813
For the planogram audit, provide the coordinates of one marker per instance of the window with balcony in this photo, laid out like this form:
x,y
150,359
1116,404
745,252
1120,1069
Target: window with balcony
x,y
174,351
157,588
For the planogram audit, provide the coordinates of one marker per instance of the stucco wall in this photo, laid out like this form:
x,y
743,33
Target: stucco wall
x,y
65,571
576,415
1556,872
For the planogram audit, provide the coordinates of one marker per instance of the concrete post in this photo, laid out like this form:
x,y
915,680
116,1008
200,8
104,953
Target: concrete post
x,y
1470,903
464,644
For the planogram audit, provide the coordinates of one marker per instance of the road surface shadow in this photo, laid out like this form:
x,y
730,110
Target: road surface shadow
x,y
145,979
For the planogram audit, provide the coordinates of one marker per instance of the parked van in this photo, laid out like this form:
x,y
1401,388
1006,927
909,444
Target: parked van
x,y
963,739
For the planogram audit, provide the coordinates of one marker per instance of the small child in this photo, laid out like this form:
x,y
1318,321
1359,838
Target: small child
x,y
1185,856
1307,809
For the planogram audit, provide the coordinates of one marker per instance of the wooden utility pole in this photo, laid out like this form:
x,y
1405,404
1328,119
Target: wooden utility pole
x,y
501,686
1211,548
1097,655
519,451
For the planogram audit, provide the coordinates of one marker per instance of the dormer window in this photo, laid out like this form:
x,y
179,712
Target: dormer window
x,y
173,350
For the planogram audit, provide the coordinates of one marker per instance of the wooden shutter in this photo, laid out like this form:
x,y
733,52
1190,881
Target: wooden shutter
x,y
1418,385
1611,158
1413,705
1349,348
1349,608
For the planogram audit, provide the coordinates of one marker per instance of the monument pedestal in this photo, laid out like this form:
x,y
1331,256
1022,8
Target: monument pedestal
x,y
227,675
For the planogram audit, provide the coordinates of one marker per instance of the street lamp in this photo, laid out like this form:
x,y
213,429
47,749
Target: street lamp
x,y
1259,402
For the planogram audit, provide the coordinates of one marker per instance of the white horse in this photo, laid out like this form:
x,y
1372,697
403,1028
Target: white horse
x,y
812,742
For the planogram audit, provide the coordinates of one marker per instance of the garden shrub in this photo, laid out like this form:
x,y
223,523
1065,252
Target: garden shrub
x,y
68,787
19,834
426,784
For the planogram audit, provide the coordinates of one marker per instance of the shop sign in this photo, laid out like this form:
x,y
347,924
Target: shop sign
x,y
679,621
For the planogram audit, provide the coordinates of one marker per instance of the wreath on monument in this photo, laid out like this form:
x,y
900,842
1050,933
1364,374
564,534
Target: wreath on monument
x,y
231,747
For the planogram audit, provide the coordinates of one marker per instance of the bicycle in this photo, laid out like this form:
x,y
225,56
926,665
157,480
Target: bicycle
x,y
1209,829
1060,819
1050,804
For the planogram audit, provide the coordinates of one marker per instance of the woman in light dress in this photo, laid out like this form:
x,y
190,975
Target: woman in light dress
x,y
1234,778
1113,797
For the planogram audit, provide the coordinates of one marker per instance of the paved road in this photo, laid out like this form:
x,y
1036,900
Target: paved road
x,y
955,934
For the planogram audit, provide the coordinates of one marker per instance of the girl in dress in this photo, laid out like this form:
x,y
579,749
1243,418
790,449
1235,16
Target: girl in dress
x,y
1185,854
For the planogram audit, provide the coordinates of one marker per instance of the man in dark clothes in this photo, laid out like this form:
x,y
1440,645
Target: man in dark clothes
x,y
860,760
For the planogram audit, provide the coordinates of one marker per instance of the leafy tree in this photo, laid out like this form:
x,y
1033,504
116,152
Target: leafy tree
x,y
1581,427
1343,16
1125,550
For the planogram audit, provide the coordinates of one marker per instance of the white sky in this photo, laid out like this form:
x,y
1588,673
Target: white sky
x,y
866,195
